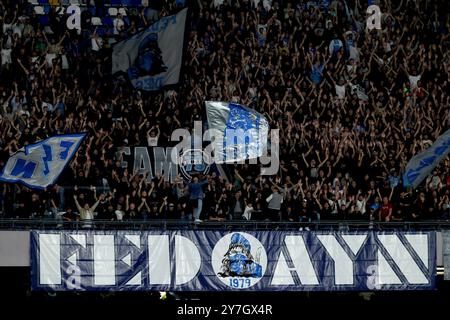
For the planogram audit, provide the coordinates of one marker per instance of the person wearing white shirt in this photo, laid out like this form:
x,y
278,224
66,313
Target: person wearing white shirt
x,y
6,26
96,42
86,212
361,204
6,56
18,28
247,215
413,79
119,24
152,136
334,46
119,213
340,88
274,202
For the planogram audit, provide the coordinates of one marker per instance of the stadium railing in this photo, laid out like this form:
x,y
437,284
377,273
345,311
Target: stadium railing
x,y
27,224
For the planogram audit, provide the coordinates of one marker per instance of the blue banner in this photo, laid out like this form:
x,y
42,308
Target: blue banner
x,y
185,260
421,165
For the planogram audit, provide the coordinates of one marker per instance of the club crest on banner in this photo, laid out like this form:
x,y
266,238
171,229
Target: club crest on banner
x,y
149,61
194,162
239,260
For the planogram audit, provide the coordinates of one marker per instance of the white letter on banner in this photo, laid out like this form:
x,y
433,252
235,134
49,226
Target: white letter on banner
x,y
403,258
158,259
383,275
163,165
187,260
282,274
49,259
142,163
104,260
343,265
301,260
420,244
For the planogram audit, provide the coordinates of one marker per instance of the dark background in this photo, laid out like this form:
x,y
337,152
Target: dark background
x,y
18,300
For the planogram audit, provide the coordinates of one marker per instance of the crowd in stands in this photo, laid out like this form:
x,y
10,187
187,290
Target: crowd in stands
x,y
353,106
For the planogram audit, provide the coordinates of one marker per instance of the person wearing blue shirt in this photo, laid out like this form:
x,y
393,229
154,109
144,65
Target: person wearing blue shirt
x,y
316,73
196,196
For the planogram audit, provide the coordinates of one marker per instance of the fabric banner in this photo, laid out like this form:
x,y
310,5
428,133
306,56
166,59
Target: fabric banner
x,y
38,165
240,133
446,253
420,166
152,58
185,260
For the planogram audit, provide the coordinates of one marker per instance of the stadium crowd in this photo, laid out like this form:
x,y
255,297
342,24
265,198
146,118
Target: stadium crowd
x,y
353,106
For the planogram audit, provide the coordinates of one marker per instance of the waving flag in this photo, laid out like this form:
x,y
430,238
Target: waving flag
x,y
420,166
240,133
38,165
152,58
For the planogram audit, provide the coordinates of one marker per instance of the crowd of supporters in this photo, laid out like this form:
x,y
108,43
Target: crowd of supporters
x,y
353,106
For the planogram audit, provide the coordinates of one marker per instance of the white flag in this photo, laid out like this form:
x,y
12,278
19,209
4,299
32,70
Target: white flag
x,y
152,58
240,133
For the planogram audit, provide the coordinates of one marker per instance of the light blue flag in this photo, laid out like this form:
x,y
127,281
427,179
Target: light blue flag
x,y
152,58
420,166
240,133
38,165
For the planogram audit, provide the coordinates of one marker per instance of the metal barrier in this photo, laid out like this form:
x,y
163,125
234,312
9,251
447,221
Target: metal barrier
x,y
26,224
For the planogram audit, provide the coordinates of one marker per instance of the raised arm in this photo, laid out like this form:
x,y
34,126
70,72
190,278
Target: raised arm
x,y
77,204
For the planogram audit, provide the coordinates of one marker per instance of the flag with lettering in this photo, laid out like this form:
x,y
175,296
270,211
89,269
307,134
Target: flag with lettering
x,y
38,165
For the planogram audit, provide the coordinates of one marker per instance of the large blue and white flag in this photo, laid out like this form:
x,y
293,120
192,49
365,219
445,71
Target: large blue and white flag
x,y
38,165
152,58
240,133
420,166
